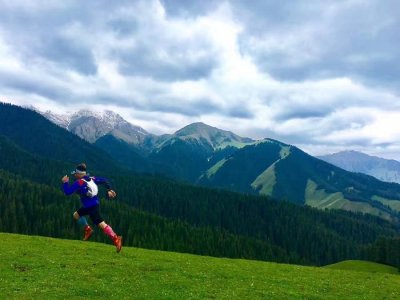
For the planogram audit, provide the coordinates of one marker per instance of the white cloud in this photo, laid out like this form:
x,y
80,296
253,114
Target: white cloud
x,y
278,72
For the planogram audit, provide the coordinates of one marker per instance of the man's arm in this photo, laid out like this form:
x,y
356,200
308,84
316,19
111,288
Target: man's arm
x,y
104,181
67,189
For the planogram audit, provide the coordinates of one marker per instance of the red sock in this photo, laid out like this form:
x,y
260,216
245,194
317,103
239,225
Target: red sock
x,y
108,230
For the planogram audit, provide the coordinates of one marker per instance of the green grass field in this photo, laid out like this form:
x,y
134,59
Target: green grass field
x,y
43,268
363,266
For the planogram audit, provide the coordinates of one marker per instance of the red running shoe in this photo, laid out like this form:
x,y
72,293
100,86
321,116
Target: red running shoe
x,y
88,233
118,242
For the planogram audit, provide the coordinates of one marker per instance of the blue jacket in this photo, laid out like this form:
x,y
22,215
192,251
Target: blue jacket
x,y
80,187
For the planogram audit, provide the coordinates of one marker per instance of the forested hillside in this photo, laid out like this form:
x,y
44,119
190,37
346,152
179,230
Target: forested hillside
x,y
285,172
205,155
160,213
35,134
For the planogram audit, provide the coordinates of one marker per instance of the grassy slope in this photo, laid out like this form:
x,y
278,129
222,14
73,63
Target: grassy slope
x,y
363,266
393,204
37,267
321,199
265,182
210,172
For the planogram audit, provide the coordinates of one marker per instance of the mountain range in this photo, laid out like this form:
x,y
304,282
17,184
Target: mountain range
x,y
91,126
184,154
205,155
163,213
354,161
286,172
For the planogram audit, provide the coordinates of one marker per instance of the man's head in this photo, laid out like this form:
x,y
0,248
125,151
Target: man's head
x,y
80,171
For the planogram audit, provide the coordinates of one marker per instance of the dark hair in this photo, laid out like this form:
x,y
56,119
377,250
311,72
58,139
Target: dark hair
x,y
81,167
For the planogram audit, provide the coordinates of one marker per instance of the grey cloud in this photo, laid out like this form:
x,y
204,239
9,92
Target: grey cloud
x,y
264,15
197,108
70,55
306,138
383,145
108,98
163,104
264,133
155,52
309,113
288,106
359,141
144,61
33,85
37,36
326,39
374,67
356,40
123,28
241,112
189,8
338,38
315,129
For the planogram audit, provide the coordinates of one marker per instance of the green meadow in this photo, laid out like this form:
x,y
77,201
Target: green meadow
x,y
34,267
363,266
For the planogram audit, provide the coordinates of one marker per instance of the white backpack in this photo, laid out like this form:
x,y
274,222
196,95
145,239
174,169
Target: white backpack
x,y
93,189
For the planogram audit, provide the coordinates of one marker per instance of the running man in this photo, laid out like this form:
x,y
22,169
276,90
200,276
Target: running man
x,y
86,187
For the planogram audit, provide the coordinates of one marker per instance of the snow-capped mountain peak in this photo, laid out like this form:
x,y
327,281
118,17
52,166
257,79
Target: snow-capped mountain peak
x,y
92,125
58,119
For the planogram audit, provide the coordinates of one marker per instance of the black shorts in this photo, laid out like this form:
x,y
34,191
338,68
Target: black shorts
x,y
93,212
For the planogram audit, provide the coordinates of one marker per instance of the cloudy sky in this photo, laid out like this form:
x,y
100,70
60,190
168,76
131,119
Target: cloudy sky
x,y
322,75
